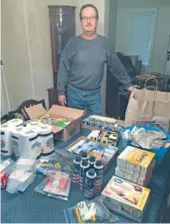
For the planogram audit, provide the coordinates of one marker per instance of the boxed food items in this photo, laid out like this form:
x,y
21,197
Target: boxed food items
x,y
100,122
126,198
135,165
65,121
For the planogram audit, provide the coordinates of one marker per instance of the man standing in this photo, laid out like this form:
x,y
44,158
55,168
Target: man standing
x,y
82,66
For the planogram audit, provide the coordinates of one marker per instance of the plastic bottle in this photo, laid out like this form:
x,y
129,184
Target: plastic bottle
x,y
98,166
84,167
84,155
89,184
92,161
76,170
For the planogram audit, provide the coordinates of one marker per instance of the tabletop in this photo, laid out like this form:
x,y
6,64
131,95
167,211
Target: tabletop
x,y
33,207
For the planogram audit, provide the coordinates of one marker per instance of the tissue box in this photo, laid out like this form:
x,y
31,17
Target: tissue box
x,y
126,198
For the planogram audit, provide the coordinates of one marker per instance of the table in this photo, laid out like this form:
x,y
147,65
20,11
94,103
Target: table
x,y
32,207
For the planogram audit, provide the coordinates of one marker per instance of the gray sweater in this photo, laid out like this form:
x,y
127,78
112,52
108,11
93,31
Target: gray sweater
x,y
82,64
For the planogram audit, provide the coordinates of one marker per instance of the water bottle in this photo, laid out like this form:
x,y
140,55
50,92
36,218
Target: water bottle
x,y
84,166
89,184
99,169
76,170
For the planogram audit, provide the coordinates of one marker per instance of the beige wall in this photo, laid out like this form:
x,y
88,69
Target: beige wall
x,y
15,52
27,48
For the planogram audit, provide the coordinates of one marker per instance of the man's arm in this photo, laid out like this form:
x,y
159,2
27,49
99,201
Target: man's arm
x,y
117,69
64,69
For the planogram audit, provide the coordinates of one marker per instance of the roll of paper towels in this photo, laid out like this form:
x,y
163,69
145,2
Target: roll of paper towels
x,y
6,143
30,144
16,139
15,122
47,141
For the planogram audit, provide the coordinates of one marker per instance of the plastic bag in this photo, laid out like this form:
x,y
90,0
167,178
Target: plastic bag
x,y
6,168
61,161
56,185
25,164
19,180
22,175
93,211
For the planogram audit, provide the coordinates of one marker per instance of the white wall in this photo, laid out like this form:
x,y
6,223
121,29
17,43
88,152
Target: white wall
x,y
162,28
15,52
27,48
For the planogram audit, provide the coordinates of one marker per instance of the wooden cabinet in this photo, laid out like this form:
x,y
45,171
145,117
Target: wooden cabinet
x,y
62,28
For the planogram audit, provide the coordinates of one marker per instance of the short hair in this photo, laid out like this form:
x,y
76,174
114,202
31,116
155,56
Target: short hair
x,y
89,6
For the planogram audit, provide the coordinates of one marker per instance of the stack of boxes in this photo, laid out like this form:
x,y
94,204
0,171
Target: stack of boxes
x,y
135,165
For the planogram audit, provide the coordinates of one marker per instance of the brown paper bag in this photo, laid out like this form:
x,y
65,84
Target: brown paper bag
x,y
147,106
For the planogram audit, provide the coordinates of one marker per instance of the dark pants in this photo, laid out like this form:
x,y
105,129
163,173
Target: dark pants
x,y
82,99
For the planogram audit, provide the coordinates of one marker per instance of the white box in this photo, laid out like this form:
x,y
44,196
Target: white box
x,y
119,172
126,198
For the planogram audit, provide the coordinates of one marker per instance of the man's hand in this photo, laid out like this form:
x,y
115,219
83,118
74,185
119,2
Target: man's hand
x,y
62,100
131,88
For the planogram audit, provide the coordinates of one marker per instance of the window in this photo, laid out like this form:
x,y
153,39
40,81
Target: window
x,y
135,32
142,34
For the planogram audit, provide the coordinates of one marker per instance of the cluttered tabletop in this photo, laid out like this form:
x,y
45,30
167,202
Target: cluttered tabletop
x,y
104,173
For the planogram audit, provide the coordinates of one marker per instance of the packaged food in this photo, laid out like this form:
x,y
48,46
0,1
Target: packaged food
x,y
126,198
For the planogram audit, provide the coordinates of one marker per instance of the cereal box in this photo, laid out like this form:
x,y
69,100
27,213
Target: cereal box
x,y
126,198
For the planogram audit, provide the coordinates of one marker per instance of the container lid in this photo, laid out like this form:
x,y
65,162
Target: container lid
x,y
92,159
84,154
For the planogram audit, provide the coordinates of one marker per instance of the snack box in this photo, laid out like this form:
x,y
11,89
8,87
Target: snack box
x,y
126,198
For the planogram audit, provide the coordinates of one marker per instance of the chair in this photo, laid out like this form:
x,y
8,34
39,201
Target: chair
x,y
20,111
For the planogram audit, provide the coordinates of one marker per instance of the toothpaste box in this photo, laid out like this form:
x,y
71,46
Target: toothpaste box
x,y
126,198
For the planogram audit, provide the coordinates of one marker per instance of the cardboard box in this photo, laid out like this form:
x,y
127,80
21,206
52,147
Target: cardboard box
x,y
126,198
108,155
102,118
73,115
141,161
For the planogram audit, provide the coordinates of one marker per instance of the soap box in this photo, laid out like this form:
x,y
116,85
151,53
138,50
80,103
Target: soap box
x,y
126,198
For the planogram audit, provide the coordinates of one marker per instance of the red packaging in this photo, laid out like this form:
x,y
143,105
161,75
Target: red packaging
x,y
3,179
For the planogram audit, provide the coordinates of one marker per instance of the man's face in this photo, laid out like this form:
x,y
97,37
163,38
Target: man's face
x,y
89,20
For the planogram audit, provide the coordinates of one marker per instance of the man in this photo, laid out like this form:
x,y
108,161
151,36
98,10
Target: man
x,y
82,66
